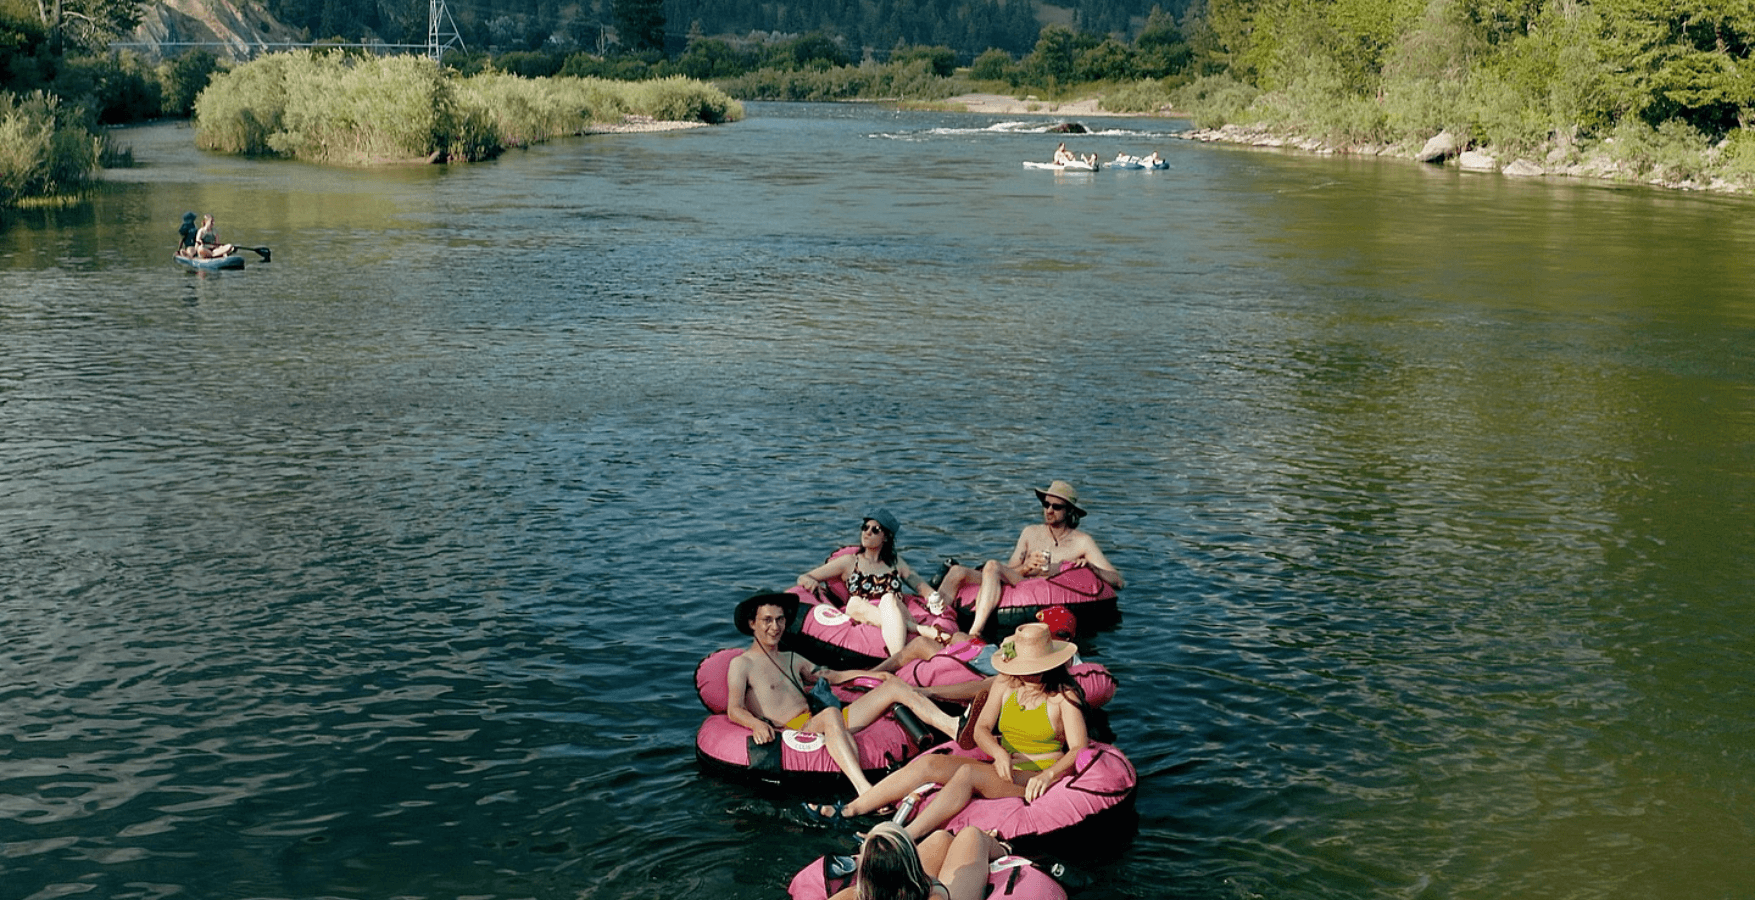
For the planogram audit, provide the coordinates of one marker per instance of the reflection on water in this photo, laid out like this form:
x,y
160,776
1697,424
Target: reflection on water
x,y
381,570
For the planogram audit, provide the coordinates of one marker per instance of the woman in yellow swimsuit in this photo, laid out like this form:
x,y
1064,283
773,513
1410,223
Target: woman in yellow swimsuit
x,y
876,577
1032,725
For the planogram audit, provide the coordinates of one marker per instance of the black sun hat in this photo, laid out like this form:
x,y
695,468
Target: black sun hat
x,y
746,609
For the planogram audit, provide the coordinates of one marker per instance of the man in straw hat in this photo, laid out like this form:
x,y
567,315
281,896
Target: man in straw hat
x,y
1043,549
767,689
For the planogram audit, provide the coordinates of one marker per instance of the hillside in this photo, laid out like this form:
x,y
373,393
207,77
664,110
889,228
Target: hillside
x,y
228,28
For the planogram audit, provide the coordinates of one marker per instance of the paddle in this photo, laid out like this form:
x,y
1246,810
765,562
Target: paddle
x,y
260,251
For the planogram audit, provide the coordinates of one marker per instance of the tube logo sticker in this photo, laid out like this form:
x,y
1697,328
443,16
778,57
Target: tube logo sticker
x,y
802,741
829,615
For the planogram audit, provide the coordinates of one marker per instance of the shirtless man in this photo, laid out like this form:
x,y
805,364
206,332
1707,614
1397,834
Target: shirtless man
x,y
1040,552
767,690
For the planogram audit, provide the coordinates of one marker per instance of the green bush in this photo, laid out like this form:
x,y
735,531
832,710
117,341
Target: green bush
x,y
1215,100
1146,96
47,149
183,79
994,65
331,107
1674,151
679,99
1738,158
119,88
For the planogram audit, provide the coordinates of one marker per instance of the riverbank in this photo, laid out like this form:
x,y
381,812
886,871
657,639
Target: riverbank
x,y
1598,162
1001,105
641,125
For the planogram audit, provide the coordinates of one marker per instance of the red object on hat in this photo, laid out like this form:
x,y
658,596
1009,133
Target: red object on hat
x,y
1062,624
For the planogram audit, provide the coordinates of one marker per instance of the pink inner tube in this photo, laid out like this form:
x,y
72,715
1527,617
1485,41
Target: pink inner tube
x,y
951,667
883,745
1103,779
1071,588
1009,877
826,623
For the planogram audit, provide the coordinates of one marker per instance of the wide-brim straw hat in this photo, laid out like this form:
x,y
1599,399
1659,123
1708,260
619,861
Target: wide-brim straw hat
x,y
1030,651
746,609
1065,492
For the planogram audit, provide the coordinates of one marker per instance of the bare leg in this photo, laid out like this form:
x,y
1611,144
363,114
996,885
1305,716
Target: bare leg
x,y
965,867
894,691
962,787
896,623
933,851
954,579
927,769
919,648
994,578
841,746
961,692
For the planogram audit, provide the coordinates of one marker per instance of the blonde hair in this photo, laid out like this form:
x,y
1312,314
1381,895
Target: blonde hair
x,y
889,866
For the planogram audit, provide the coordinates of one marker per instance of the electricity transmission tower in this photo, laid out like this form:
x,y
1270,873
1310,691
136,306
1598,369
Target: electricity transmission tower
x,y
441,31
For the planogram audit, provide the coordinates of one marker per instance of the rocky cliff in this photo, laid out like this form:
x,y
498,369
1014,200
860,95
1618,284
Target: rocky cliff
x,y
238,29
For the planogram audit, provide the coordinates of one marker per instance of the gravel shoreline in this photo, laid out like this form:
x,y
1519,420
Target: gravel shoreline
x,y
641,125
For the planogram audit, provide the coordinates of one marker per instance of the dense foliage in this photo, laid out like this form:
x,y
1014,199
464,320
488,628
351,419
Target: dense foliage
x,y
865,28
1670,82
334,107
46,149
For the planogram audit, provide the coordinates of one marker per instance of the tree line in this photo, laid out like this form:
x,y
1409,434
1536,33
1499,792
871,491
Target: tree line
x,y
1666,83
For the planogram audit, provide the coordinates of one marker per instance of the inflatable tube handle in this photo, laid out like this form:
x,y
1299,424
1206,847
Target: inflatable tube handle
x,y
765,758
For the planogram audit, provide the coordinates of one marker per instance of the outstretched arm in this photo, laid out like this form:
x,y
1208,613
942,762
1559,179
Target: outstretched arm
x,y
834,568
1100,566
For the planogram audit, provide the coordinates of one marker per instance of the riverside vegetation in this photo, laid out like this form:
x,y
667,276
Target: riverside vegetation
x,y
340,108
1647,90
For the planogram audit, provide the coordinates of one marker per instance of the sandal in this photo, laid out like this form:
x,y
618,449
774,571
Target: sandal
x,y
840,866
814,815
971,717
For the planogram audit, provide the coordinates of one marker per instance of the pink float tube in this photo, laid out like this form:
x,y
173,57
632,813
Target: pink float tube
x,y
795,758
952,667
1011,877
1079,589
1078,805
825,634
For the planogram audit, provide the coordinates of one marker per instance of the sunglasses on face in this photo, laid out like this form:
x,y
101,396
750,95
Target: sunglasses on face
x,y
1050,504
871,528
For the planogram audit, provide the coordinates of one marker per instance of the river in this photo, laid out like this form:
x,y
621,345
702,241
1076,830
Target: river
x,y
381,570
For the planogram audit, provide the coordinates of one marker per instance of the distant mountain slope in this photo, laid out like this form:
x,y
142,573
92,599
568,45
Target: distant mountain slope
x,y
229,28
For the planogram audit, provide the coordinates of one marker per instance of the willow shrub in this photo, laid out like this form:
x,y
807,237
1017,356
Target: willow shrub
x,y
47,149
337,108
1145,96
1215,100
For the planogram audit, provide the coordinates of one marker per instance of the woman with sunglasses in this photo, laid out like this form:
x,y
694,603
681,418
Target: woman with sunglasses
x,y
876,579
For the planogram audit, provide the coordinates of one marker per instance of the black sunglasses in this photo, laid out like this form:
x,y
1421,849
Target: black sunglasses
x,y
1046,504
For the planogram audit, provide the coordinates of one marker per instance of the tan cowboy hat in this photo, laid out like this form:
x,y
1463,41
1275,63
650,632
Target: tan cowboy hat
x,y
1065,492
1030,650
